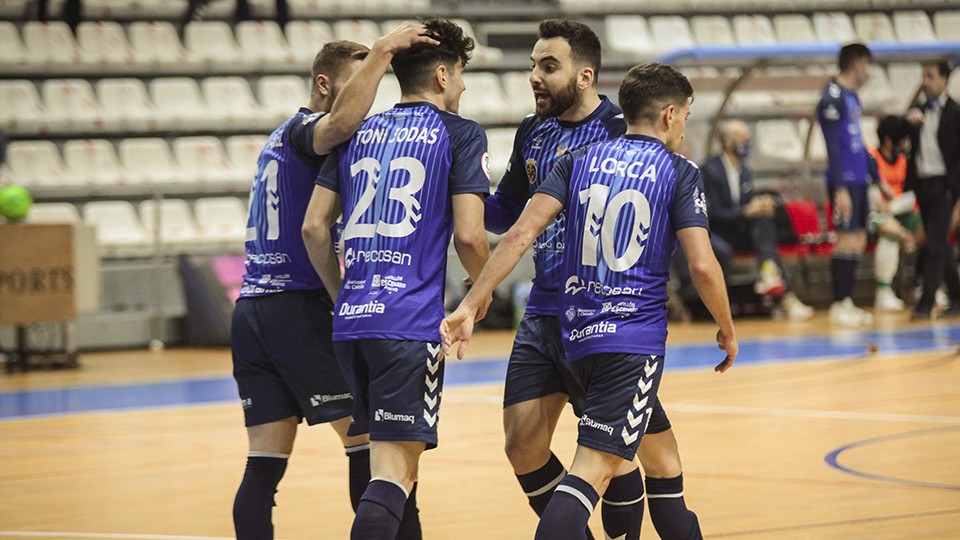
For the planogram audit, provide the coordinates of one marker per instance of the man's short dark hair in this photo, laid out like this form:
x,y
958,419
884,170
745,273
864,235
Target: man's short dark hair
x,y
584,43
415,66
851,53
648,88
333,57
893,127
944,67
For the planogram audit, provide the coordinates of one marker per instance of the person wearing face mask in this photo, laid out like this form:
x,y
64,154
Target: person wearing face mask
x,y
935,175
741,220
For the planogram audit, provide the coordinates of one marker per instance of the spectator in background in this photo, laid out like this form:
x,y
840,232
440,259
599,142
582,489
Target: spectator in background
x,y
935,166
741,220
895,222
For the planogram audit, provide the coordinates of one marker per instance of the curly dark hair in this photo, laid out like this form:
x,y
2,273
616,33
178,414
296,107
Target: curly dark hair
x,y
414,66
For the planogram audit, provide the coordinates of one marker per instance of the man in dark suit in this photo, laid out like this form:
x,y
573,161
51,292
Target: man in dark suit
x,y
935,168
741,220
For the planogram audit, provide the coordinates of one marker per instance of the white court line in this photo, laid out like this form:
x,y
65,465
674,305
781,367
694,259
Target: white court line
x,y
26,534
757,411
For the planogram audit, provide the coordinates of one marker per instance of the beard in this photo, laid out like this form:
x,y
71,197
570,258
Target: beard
x,y
554,104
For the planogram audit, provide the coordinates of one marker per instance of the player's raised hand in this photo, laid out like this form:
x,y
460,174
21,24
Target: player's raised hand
x,y
458,326
730,345
404,36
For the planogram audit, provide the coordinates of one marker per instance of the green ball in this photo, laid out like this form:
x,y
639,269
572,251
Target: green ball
x,y
15,202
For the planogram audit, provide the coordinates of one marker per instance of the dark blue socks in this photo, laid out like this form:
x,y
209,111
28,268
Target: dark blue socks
x,y
379,512
253,505
569,510
359,458
669,512
622,507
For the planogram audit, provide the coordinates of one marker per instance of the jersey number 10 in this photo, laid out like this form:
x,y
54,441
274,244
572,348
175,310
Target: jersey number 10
x,y
600,225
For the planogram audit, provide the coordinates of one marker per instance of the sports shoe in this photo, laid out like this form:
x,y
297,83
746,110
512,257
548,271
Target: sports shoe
x,y
844,313
886,300
770,282
794,309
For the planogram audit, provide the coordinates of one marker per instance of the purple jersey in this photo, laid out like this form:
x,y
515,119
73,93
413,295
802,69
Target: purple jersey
x,y
624,201
396,177
839,115
538,145
276,257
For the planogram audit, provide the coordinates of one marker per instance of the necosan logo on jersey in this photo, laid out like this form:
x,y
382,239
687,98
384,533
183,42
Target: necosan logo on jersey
x,y
362,309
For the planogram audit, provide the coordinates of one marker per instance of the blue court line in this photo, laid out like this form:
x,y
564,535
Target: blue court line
x,y
29,403
833,459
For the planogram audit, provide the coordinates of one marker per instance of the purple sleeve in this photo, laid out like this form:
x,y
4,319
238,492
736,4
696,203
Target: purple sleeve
x,y
329,176
689,202
558,182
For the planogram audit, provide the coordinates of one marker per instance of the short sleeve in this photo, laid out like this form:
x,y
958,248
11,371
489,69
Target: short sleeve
x,y
689,202
557,182
470,167
300,136
515,185
329,176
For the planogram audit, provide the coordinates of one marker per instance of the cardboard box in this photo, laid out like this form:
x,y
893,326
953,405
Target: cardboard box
x,y
37,274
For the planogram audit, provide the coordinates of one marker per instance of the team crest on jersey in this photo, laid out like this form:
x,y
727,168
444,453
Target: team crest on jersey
x,y
531,170
699,202
571,313
562,149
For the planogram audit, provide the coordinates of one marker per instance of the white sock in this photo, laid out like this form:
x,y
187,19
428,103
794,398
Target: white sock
x,y
886,259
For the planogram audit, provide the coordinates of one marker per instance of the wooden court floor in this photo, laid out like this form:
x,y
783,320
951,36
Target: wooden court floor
x,y
756,443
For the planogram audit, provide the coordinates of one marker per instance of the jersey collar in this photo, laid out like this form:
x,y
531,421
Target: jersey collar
x,y
604,104
644,138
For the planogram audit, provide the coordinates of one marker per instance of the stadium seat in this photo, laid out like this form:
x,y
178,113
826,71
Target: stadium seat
x,y
794,28
483,100
38,163
263,43
629,34
103,44
833,27
281,96
94,10
51,43
149,160
14,8
877,94
388,94
160,9
913,27
23,112
874,28
230,99
868,130
177,226
72,105
363,31
129,107
213,44
519,96
222,219
13,55
483,54
243,152
54,212
671,33
905,81
712,30
500,147
157,44
306,38
754,30
95,162
179,104
947,24
202,159
779,140
309,9
117,225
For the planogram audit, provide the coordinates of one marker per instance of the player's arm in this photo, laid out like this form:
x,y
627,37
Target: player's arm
x,y
708,280
356,98
322,213
503,208
458,326
469,237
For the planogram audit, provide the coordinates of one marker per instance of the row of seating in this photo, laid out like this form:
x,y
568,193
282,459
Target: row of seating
x,y
209,45
213,224
635,34
221,9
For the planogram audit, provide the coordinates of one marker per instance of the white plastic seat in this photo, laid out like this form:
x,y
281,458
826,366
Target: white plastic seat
x,y
500,147
157,44
779,140
51,43
148,160
518,94
14,8
754,30
905,80
177,226
129,106
38,163
306,38
483,99
64,213
72,105
913,27
103,43
833,27
671,33
281,96
212,43
226,9
22,110
230,98
160,9
117,225
874,28
202,159
877,94
712,30
179,104
94,161
243,152
483,54
793,28
388,94
362,31
13,55
94,10
308,9
221,219
947,24
263,43
629,34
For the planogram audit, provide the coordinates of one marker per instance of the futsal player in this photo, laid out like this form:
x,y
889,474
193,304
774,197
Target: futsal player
x,y
626,203
409,178
281,331
569,114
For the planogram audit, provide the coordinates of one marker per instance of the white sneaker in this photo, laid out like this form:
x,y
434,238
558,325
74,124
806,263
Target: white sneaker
x,y
770,280
844,313
886,300
941,299
794,309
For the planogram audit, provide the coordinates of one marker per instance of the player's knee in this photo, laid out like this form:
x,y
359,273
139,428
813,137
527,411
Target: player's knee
x,y
526,452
